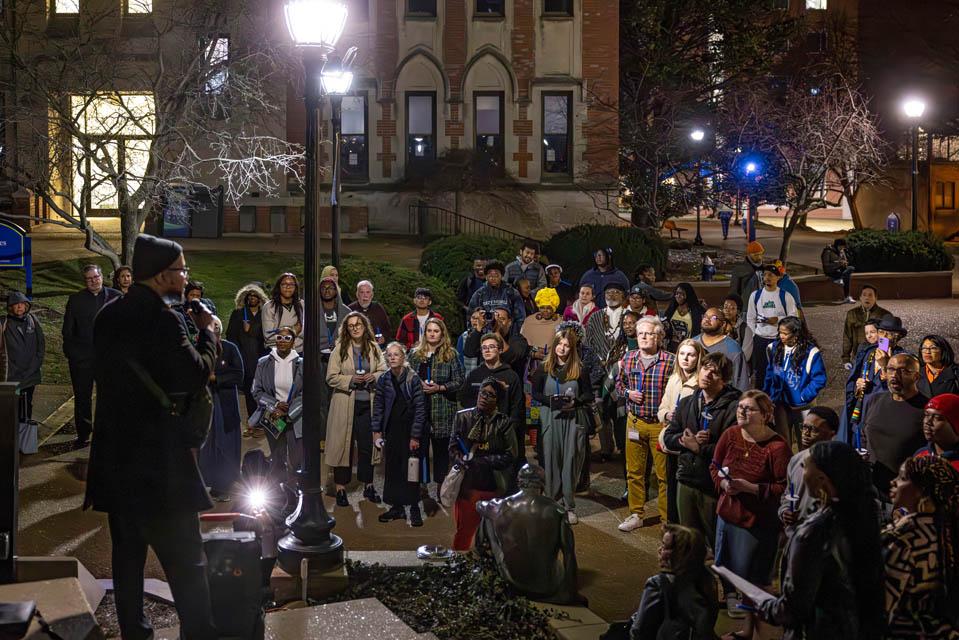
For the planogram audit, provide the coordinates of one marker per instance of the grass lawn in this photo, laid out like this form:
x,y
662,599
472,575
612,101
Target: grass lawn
x,y
221,272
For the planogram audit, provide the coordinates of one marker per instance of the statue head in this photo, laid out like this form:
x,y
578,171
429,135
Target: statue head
x,y
531,476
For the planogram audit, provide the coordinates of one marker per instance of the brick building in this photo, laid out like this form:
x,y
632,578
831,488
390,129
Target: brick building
x,y
529,86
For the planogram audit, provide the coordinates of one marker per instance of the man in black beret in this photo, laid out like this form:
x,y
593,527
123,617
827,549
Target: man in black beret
x,y
143,469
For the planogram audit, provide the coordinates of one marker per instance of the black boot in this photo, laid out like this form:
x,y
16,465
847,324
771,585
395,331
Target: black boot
x,y
341,500
370,494
394,513
416,520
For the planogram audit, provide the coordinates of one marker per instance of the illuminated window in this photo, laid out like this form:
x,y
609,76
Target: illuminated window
x,y
66,7
114,141
139,6
945,196
217,56
354,157
420,128
816,4
488,119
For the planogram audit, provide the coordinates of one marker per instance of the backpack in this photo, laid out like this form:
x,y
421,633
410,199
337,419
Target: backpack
x,y
759,292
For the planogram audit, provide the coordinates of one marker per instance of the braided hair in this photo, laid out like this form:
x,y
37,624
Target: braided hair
x,y
939,482
805,343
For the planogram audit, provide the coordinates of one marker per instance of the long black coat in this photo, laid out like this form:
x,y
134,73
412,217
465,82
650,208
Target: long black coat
x,y
250,343
137,463
82,308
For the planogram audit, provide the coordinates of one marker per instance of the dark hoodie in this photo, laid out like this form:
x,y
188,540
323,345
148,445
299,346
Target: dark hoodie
x,y
24,345
250,343
512,402
693,468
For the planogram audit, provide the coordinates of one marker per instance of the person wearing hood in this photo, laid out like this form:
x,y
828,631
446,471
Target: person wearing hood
x,y
245,329
564,289
24,347
219,457
603,274
278,389
940,427
511,401
285,308
693,430
329,271
497,293
374,312
747,276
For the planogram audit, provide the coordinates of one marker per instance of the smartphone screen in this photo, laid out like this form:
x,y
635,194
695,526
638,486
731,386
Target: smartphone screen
x,y
884,345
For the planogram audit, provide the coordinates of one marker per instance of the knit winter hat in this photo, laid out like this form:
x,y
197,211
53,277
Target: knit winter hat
x,y
948,405
547,297
755,247
151,255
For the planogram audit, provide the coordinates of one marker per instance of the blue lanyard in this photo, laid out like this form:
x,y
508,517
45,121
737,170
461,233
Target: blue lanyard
x,y
359,361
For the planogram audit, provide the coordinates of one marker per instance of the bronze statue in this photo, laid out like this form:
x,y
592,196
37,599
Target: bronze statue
x,y
530,539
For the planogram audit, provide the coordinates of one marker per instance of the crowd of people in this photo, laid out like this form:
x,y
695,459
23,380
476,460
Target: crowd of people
x,y
712,408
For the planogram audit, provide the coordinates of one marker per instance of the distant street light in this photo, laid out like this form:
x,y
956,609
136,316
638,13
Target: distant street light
x,y
914,107
336,79
751,168
697,136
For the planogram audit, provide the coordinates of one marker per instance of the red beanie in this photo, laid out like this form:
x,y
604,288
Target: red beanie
x,y
948,405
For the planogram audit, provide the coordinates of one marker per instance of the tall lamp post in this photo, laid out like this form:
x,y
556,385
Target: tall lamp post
x,y
315,26
914,108
336,81
697,136
751,169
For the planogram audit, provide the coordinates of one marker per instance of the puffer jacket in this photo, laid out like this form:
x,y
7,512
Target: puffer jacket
x,y
795,388
488,299
385,397
693,469
23,345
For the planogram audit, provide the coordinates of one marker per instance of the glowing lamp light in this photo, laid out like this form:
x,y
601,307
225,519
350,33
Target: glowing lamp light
x,y
315,23
751,167
697,135
913,107
336,82
256,499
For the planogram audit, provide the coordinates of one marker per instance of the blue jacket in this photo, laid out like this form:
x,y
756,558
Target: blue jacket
x,y
789,285
385,396
792,388
599,279
504,295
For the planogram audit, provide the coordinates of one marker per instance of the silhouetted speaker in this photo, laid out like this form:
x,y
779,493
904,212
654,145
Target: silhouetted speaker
x,y
235,574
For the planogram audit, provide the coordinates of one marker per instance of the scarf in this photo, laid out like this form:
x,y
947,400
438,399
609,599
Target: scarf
x,y
482,428
581,311
612,320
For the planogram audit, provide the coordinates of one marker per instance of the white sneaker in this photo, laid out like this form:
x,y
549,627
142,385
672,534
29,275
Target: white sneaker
x,y
634,521
571,517
732,606
850,300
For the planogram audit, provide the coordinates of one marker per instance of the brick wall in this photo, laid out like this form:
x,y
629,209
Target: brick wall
x,y
387,57
601,76
454,60
522,44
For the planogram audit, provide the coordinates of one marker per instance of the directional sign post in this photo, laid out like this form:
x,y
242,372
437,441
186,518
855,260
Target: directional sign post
x,y
16,251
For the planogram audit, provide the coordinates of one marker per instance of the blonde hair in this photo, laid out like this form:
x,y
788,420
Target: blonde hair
x,y
573,366
700,352
444,352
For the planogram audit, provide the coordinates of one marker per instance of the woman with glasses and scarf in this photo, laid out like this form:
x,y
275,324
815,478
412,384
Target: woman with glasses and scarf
x,y
356,362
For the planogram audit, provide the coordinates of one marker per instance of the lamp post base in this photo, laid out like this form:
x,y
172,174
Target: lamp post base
x,y
310,534
698,241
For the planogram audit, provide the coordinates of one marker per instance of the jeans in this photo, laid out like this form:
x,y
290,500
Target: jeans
x,y
760,360
642,444
749,553
846,276
175,538
441,458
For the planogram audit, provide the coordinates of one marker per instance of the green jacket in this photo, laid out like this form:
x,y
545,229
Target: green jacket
x,y
854,333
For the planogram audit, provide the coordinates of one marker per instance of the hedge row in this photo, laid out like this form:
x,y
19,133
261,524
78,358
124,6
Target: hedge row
x,y
451,258
905,251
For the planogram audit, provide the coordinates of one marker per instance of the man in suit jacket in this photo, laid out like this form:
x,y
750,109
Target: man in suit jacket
x,y
82,308
143,470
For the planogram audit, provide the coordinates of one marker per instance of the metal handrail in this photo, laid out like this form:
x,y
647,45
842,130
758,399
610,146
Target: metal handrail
x,y
427,221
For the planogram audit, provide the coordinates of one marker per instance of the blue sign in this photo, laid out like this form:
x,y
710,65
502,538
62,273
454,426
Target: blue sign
x,y
893,222
16,251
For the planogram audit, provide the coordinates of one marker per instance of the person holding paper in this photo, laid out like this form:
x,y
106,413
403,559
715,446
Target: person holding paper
x,y
832,570
749,474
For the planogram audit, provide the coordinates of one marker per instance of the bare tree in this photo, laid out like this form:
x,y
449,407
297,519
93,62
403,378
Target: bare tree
x,y
125,112
819,142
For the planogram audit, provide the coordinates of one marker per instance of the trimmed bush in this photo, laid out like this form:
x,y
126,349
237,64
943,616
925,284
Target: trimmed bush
x,y
875,250
573,248
451,259
394,287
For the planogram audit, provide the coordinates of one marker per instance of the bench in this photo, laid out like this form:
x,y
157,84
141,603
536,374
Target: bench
x,y
671,226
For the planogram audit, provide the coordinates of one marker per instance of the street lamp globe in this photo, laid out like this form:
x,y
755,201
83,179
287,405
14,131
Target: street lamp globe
x,y
751,168
697,135
913,107
315,23
337,81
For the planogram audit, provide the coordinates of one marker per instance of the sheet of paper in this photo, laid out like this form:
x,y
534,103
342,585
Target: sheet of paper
x,y
747,588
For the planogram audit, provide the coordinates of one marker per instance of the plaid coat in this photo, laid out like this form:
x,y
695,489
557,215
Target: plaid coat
x,y
442,406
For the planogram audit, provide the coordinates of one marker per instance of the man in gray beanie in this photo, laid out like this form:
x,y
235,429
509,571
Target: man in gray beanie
x,y
143,469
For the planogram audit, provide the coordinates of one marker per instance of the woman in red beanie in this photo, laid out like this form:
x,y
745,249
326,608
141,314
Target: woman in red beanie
x,y
940,426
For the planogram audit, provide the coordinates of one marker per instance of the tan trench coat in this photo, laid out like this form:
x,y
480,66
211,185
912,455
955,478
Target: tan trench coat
x,y
339,424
